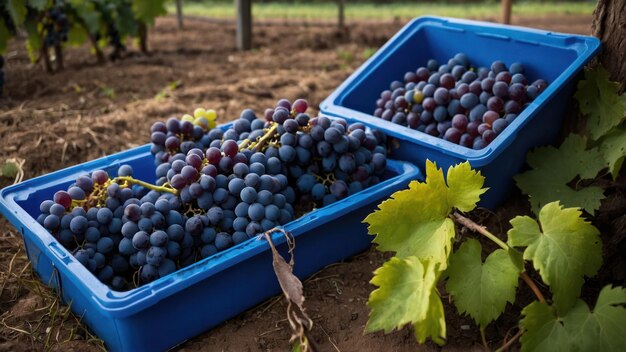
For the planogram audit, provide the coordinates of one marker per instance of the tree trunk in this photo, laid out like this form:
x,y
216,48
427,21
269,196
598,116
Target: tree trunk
x,y
143,38
609,25
342,18
507,6
179,13
58,56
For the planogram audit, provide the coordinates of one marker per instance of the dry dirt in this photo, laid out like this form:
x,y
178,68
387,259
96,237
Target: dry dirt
x,y
90,110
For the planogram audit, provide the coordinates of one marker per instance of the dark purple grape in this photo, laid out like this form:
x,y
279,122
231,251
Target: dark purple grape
x,y
499,125
466,140
447,81
476,88
487,84
469,100
230,148
498,66
63,198
400,103
516,68
512,107
460,122
478,143
388,114
300,106
431,129
490,116
99,177
284,103
495,104
503,76
410,77
517,91
422,74
489,136
519,78
500,89
472,128
429,104
441,96
452,135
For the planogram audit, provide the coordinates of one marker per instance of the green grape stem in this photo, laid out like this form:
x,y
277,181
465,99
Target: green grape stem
x,y
483,231
146,185
266,137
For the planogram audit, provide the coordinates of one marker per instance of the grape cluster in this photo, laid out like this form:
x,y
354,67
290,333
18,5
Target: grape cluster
x,y
328,159
457,102
56,26
1,73
180,136
215,188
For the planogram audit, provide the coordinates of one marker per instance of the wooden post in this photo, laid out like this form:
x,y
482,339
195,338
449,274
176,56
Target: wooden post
x,y
179,13
506,11
342,20
609,18
244,24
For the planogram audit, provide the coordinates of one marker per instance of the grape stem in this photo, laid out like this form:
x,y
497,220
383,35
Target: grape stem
x,y
266,137
146,185
483,231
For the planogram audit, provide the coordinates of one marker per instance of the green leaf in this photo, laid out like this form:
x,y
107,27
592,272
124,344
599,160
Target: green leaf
x,y
567,249
553,169
415,222
38,4
482,289
406,294
33,42
10,169
86,12
598,98
464,187
604,329
543,332
613,148
17,10
147,10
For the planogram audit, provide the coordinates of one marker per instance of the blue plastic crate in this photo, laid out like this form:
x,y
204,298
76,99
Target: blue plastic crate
x,y
177,307
555,57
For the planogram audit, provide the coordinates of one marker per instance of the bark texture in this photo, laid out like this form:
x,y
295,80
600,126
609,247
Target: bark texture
x,y
609,25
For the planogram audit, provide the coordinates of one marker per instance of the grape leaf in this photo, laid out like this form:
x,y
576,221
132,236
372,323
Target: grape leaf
x,y
147,10
483,289
17,10
613,148
415,222
464,187
33,43
38,4
406,293
543,332
567,249
598,98
604,329
552,169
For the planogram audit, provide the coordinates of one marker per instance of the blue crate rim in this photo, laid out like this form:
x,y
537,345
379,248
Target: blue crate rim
x,y
129,302
330,107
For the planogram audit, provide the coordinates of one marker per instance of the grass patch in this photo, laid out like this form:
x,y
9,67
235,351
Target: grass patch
x,y
369,11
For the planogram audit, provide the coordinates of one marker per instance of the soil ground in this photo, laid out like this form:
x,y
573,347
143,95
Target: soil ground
x,y
90,110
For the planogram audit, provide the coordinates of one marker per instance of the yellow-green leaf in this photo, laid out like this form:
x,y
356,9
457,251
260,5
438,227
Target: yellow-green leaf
x,y
552,170
406,294
415,222
563,247
599,100
482,289
464,187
